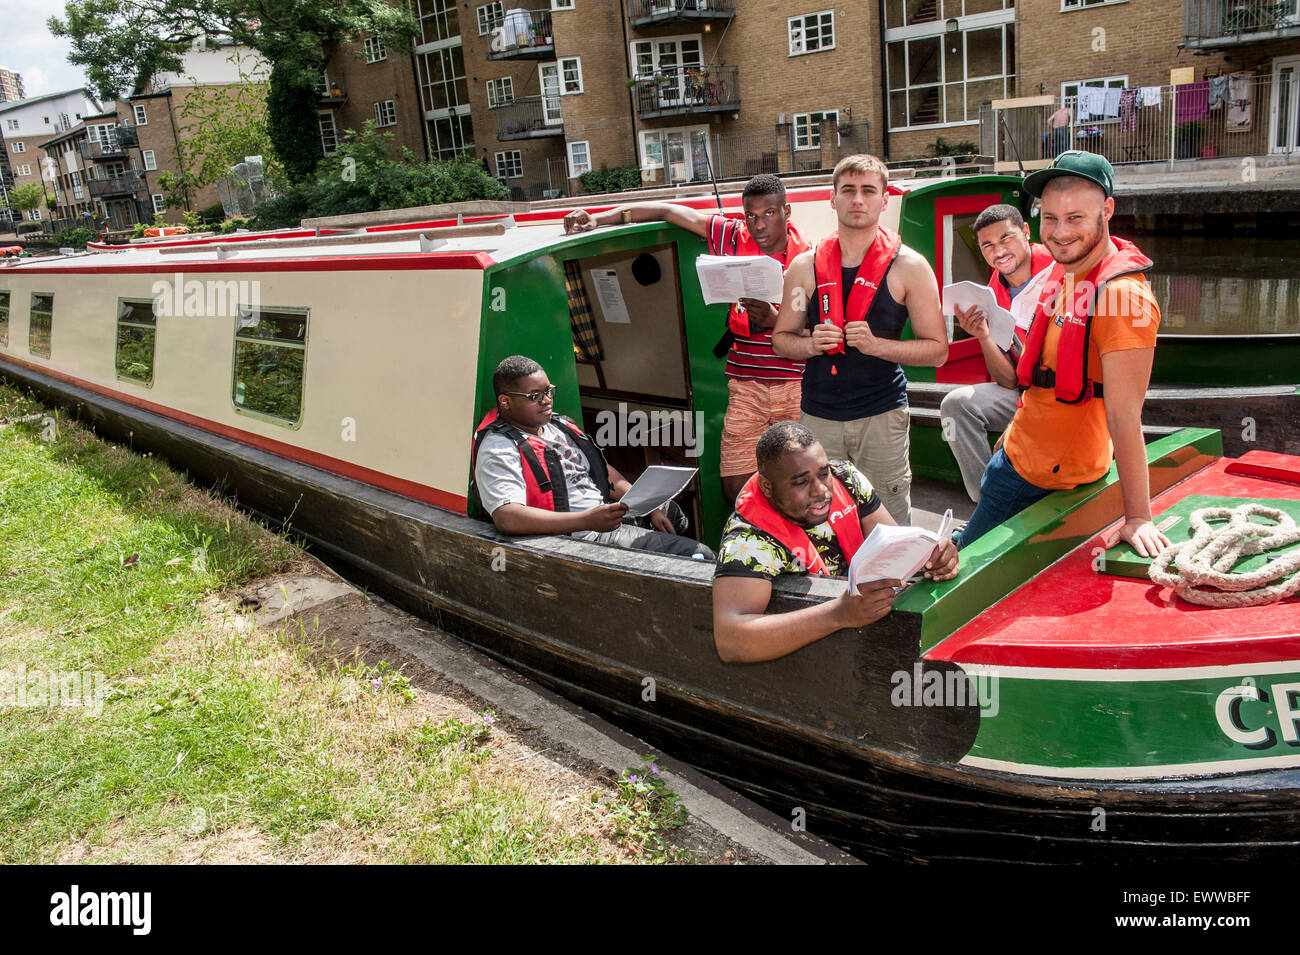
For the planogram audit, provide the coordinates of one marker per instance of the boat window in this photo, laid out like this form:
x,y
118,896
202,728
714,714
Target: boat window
x,y
135,340
4,318
270,352
40,323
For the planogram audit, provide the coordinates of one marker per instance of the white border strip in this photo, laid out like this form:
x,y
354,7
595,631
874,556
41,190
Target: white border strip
x,y
1128,676
1217,767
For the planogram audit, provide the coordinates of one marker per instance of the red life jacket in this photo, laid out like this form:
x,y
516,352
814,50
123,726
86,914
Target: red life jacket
x,y
1039,259
1070,377
828,272
540,462
752,504
743,244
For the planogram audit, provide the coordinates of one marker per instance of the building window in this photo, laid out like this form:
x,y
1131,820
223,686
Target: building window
x,y
938,78
11,124
1080,4
4,318
579,159
510,164
149,161
441,74
329,136
666,55
40,323
270,348
19,146
808,128
34,215
375,50
812,33
439,20
489,15
450,135
140,118
685,150
136,326
561,4
385,113
500,92
25,169
570,75
159,203
1096,107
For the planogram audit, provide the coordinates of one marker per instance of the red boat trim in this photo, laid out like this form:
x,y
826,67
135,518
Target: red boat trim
x,y
400,262
209,240
1290,474
420,492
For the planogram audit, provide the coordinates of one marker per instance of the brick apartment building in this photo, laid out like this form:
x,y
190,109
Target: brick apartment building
x,y
100,172
26,123
11,85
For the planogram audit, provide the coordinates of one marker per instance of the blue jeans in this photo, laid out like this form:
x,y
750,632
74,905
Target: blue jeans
x,y
1003,494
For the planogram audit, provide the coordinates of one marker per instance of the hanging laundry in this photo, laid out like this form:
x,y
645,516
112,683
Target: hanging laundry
x,y
1192,102
1092,104
1218,91
1241,102
1128,113
1151,96
1110,108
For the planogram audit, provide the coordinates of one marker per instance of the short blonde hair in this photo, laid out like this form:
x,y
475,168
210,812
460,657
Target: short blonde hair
x,y
860,163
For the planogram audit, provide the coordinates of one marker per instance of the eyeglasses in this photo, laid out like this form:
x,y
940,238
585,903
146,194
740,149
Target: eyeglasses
x,y
536,397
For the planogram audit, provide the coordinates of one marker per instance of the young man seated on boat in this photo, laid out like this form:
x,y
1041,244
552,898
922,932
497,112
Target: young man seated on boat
x,y
1095,323
843,314
762,387
971,412
522,449
799,514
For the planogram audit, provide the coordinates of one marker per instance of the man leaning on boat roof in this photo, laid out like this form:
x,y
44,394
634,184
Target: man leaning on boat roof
x,y
521,449
762,387
1095,322
800,513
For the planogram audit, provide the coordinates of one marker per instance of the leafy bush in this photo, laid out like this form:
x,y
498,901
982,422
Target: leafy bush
x,y
213,213
611,180
361,177
233,224
941,147
29,227
75,237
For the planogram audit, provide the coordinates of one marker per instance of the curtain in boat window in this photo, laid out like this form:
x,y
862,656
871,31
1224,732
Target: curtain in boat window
x,y
586,336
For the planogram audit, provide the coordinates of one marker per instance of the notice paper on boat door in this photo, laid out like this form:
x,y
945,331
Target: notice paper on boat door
x,y
726,278
963,295
656,486
895,553
610,295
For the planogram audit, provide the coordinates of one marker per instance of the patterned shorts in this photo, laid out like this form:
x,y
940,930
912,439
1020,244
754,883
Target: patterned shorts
x,y
752,408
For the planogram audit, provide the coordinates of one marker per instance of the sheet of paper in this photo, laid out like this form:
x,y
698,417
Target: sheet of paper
x,y
1025,304
964,295
656,486
892,553
610,295
726,278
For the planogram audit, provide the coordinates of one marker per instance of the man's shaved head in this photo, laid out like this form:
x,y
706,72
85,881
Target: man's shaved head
x,y
778,440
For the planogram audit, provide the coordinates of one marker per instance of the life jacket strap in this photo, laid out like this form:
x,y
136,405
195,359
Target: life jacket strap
x,y
1043,377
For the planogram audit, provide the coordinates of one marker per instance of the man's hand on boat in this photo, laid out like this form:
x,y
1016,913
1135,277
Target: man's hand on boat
x,y
942,564
1142,535
579,220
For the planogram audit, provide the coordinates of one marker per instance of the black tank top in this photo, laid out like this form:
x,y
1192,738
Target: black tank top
x,y
863,385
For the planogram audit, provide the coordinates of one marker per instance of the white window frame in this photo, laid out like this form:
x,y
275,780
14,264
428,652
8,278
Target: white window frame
x,y
500,91
696,63
646,135
25,169
11,123
374,49
1106,82
1001,20
19,146
574,171
34,215
159,203
485,21
1068,6
561,4
797,31
510,164
141,117
150,160
563,71
812,135
385,113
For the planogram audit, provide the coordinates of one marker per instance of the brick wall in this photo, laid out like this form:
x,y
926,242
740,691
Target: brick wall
x,y
392,78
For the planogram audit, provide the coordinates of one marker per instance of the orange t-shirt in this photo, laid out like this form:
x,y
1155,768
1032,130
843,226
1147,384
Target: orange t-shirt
x,y
1057,445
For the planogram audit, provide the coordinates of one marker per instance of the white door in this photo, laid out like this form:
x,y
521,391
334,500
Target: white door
x,y
552,114
670,62
1284,110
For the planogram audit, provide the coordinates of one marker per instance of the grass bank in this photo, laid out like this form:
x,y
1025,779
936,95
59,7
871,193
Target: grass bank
x,y
214,740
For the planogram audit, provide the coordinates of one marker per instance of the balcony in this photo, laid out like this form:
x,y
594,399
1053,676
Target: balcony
x,y
646,13
335,97
1216,24
688,91
522,35
120,187
529,118
122,139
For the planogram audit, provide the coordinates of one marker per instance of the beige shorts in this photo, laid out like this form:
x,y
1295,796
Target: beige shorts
x,y
878,447
752,408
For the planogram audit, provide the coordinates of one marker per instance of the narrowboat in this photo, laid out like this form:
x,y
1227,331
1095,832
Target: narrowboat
x,y
1047,705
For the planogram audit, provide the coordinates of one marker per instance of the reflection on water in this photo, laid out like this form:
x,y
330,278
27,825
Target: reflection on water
x,y
1226,286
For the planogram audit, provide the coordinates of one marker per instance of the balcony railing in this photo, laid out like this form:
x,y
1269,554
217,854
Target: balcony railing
x,y
1209,24
705,89
127,185
122,139
530,117
641,13
334,96
522,34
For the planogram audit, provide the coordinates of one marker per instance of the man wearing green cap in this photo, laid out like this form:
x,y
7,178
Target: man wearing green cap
x,y
1096,323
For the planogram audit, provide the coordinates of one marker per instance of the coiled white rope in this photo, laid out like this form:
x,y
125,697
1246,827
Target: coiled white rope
x,y
1202,566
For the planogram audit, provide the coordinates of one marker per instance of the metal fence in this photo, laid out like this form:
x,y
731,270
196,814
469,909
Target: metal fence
x,y
1227,116
687,90
529,117
1215,20
786,149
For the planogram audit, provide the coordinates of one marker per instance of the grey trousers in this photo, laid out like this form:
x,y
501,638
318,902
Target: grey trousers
x,y
641,538
967,415
878,447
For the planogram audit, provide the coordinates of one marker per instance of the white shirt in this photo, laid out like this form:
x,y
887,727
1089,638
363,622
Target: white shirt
x,y
499,473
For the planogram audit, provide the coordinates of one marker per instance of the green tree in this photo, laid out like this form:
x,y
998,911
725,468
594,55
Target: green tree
x,y
28,196
124,42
